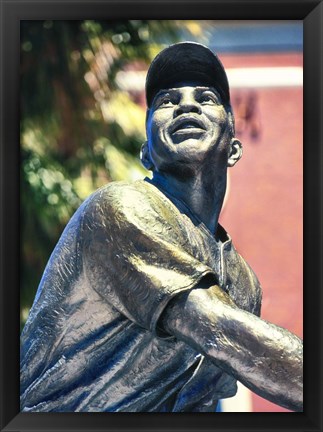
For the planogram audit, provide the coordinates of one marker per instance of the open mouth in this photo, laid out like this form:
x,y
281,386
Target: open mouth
x,y
187,125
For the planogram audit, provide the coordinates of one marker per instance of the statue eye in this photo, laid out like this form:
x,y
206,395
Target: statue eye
x,y
210,98
165,101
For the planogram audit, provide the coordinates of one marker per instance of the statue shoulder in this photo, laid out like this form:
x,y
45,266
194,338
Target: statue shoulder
x,y
114,194
120,201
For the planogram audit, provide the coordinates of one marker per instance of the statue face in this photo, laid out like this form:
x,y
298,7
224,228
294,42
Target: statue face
x,y
186,124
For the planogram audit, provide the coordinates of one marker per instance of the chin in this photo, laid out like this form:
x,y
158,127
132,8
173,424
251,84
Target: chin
x,y
193,149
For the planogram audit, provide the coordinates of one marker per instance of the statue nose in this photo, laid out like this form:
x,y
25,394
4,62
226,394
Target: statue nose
x,y
188,105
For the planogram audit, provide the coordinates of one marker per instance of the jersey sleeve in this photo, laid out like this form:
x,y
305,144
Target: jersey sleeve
x,y
242,283
136,252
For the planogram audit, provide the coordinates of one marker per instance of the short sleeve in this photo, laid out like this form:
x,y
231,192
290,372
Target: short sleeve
x,y
242,284
136,251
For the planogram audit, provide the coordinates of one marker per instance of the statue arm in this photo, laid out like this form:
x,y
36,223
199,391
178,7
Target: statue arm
x,y
264,357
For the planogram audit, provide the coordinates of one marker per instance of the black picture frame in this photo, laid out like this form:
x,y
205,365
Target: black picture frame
x,y
12,12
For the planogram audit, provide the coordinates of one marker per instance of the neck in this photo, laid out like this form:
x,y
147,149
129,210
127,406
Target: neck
x,y
203,192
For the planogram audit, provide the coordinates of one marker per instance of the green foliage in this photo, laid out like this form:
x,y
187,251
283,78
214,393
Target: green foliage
x,y
79,129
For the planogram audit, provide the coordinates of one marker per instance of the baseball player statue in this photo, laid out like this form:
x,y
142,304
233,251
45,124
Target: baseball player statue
x,y
145,304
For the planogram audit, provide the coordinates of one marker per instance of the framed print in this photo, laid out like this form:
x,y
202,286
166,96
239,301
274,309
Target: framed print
x,y
61,141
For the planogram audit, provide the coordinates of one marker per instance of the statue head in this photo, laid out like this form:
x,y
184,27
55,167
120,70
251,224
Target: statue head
x,y
189,115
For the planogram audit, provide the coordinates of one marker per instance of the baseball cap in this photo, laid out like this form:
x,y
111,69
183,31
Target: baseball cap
x,y
186,61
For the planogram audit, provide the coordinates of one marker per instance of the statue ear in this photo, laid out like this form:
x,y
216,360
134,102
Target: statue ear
x,y
235,152
145,157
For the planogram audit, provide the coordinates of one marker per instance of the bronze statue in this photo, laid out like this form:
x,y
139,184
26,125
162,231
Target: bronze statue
x,y
145,305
